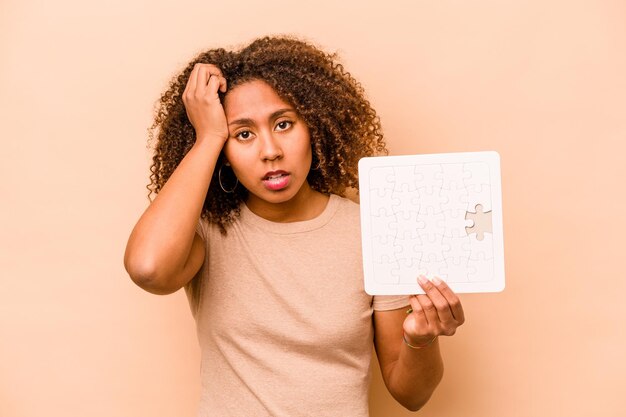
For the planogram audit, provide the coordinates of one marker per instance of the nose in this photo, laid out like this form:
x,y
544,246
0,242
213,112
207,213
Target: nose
x,y
270,148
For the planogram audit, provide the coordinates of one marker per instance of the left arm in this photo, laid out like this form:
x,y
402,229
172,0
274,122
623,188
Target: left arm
x,y
411,374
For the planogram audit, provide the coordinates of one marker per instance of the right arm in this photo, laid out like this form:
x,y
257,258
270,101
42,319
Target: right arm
x,y
164,252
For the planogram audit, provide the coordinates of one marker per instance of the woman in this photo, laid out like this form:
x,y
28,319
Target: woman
x,y
255,150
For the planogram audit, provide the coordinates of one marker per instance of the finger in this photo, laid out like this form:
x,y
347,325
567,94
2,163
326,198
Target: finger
x,y
418,312
191,82
430,311
214,84
209,72
453,300
203,79
223,85
213,69
439,301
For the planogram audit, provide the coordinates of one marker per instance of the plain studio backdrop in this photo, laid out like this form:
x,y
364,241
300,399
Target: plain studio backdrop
x,y
541,82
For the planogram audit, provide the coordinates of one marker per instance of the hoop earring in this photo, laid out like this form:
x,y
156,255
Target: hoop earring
x,y
219,178
319,163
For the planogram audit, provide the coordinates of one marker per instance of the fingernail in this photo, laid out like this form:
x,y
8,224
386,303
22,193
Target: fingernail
x,y
422,279
436,280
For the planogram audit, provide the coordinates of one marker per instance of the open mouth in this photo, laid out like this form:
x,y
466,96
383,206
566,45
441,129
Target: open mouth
x,y
276,180
274,177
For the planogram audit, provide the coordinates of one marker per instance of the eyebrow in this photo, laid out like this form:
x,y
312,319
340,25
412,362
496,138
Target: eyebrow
x,y
247,121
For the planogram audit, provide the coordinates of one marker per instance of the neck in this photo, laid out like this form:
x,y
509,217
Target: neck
x,y
307,204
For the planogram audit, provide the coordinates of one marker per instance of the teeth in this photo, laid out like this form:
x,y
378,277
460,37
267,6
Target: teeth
x,y
273,177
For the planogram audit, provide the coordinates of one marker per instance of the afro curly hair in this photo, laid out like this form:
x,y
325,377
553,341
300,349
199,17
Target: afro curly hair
x,y
342,124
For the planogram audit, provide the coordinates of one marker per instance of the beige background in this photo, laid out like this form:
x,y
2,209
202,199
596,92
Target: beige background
x,y
541,82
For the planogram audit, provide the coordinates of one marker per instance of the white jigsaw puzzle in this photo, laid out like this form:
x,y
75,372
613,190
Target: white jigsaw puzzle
x,y
436,215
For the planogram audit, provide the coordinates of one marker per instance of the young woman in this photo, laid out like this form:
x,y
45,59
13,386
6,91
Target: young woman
x,y
255,150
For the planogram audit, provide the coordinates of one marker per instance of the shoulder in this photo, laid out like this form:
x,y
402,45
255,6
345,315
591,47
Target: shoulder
x,y
346,208
346,205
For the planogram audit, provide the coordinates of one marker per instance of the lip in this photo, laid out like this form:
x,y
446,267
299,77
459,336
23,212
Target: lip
x,y
274,173
279,181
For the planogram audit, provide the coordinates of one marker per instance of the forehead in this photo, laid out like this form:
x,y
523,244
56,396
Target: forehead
x,y
252,99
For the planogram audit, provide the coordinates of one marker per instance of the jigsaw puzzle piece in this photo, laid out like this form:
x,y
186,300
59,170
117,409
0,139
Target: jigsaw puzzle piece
x,y
405,176
405,200
382,273
455,223
456,270
407,223
383,225
454,199
483,269
431,198
384,203
479,173
407,271
407,247
458,247
428,176
431,267
432,223
381,179
479,194
384,251
454,176
484,246
433,247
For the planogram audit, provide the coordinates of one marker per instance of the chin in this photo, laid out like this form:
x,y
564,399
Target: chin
x,y
279,197
276,197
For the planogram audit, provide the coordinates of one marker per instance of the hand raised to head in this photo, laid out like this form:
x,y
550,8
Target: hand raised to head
x,y
202,103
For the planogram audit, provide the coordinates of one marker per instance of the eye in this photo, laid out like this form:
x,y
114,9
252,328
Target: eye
x,y
284,125
243,135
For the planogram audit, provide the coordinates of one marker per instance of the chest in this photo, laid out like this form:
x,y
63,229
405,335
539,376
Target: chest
x,y
288,289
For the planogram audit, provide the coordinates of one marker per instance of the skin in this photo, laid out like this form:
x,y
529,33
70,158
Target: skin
x,y
259,132
266,134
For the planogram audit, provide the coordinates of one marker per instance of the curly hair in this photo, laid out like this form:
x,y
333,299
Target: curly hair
x,y
342,124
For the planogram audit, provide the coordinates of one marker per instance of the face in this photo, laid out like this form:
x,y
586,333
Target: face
x,y
268,148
